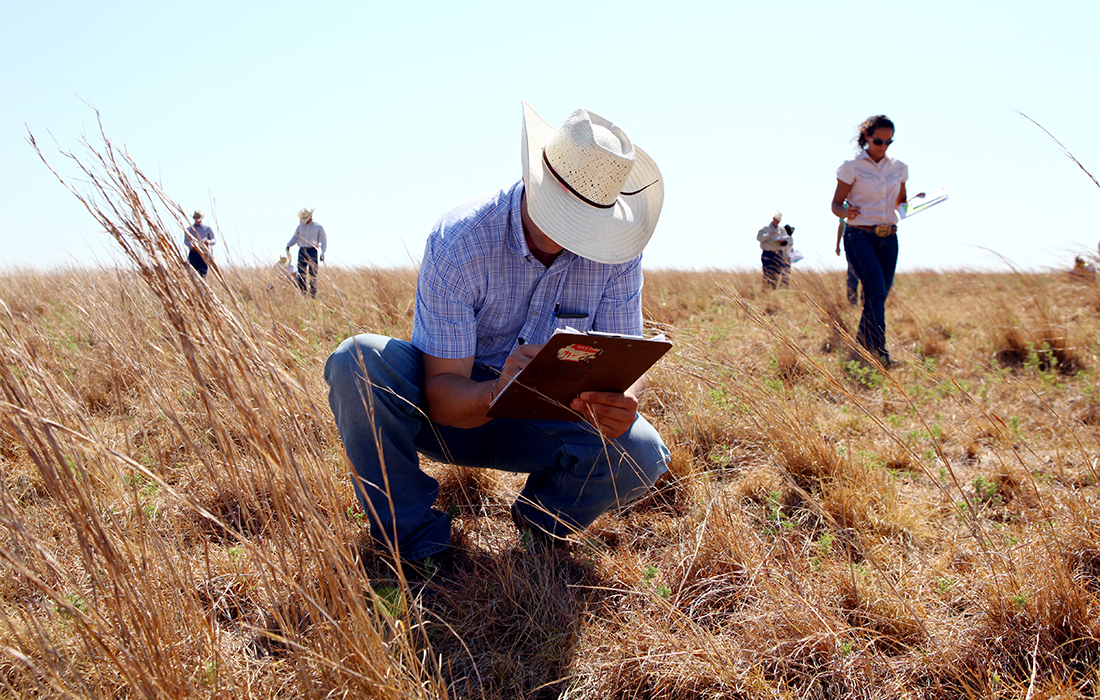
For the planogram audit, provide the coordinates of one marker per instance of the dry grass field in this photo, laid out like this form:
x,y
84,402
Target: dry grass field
x,y
178,520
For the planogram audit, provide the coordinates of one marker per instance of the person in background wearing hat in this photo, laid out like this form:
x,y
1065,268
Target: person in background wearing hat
x,y
1082,271
198,239
869,189
286,269
309,237
852,284
500,272
775,258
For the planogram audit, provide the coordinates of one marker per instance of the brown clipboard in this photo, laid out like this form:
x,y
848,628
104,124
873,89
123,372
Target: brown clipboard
x,y
570,363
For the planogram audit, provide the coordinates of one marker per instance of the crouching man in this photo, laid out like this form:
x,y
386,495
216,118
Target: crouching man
x,y
500,272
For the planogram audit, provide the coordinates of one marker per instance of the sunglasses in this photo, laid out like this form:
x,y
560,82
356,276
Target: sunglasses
x,y
880,142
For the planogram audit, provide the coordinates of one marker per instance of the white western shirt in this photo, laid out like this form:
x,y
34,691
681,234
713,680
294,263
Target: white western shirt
x,y
875,187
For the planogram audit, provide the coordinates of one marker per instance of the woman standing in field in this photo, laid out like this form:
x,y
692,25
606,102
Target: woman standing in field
x,y
869,189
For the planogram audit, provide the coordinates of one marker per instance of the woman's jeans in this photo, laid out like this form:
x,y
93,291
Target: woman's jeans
x,y
873,259
574,474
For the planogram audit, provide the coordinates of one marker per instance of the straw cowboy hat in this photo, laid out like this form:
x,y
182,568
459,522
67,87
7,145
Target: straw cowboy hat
x,y
197,216
588,188
303,216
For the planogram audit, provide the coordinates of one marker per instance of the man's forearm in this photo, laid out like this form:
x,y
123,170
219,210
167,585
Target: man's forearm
x,y
457,402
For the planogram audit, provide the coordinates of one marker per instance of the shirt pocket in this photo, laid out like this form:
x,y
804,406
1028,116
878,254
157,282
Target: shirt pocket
x,y
893,178
573,320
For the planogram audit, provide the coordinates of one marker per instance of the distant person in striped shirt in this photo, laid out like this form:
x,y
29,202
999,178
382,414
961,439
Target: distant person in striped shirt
x,y
310,238
500,272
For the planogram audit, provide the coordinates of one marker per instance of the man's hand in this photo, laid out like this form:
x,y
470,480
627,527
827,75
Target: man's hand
x,y
611,413
520,358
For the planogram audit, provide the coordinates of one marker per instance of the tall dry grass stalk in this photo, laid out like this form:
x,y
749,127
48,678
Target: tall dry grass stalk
x,y
1065,151
217,524
178,520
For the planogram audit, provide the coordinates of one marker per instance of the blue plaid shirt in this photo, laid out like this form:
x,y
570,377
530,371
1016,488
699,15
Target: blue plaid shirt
x,y
199,232
481,292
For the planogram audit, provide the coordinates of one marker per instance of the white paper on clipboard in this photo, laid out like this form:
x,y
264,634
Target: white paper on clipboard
x,y
918,204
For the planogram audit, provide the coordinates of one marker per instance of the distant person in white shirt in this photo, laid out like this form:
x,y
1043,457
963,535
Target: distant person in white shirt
x,y
309,237
199,239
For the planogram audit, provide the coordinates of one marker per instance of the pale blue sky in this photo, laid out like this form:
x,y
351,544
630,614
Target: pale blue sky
x,y
383,115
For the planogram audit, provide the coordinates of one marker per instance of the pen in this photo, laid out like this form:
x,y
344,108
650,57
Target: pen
x,y
567,314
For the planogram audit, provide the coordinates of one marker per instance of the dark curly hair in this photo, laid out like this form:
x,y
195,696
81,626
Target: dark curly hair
x,y
879,121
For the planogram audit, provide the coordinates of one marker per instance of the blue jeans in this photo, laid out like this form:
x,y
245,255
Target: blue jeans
x,y
873,259
307,267
197,261
574,474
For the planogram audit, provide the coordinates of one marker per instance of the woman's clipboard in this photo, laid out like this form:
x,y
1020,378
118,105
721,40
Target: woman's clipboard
x,y
570,363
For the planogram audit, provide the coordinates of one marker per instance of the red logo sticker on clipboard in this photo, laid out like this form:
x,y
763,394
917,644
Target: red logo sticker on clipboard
x,y
578,353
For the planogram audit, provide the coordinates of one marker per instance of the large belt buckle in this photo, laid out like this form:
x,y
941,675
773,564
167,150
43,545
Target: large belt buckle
x,y
884,230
